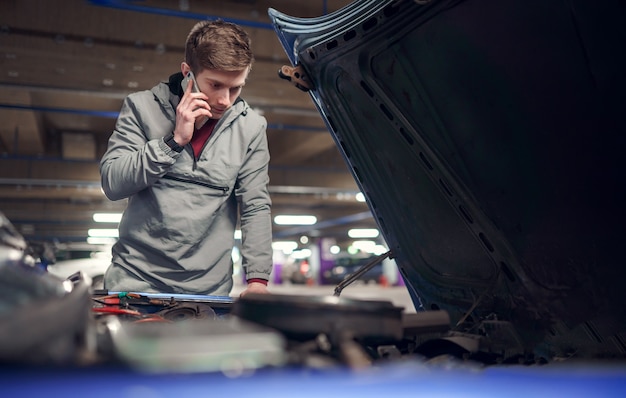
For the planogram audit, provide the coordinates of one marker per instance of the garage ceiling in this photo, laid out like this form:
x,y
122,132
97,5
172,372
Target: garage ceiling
x,y
65,67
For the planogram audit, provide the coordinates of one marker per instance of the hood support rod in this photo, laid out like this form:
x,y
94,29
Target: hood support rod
x,y
356,275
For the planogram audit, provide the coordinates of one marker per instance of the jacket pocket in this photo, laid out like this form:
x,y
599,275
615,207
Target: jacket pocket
x,y
222,189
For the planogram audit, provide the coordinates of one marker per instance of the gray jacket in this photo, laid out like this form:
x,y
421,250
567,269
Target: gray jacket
x,y
177,231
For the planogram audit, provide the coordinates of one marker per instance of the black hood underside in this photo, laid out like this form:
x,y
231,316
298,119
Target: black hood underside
x,y
488,138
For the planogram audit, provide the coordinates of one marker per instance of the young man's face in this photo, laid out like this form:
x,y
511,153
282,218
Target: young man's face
x,y
221,87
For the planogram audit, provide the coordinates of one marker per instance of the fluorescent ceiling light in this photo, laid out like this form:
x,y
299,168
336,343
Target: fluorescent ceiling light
x,y
294,220
379,249
286,246
103,232
357,233
107,217
235,254
360,197
368,246
301,254
364,245
237,234
92,240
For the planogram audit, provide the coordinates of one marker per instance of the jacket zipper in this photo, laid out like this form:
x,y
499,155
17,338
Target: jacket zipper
x,y
216,131
203,184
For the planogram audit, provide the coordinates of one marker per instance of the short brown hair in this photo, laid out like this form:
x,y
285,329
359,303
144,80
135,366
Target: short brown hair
x,y
218,45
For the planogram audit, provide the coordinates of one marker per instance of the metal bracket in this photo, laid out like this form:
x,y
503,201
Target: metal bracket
x,y
295,75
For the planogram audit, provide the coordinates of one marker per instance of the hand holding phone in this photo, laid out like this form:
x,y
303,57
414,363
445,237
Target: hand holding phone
x,y
200,121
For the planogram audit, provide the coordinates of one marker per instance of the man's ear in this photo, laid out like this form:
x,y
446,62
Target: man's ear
x,y
185,68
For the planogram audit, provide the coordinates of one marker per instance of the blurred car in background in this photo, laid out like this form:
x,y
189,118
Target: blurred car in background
x,y
348,265
93,267
298,272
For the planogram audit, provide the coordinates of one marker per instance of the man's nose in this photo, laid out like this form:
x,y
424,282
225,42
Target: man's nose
x,y
223,97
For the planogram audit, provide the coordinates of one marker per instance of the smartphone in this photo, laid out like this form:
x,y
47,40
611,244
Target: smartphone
x,y
190,76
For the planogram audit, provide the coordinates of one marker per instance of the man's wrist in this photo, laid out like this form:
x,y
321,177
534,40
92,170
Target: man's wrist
x,y
170,142
257,280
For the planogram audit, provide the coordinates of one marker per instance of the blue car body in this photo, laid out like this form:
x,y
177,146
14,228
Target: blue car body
x,y
487,137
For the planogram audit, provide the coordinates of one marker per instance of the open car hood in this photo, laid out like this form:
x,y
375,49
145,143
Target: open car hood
x,y
487,137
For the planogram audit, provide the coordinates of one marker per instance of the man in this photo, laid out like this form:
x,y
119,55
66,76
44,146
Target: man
x,y
187,186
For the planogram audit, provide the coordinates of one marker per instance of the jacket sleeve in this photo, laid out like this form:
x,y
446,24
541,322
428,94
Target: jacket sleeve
x,y
254,200
133,161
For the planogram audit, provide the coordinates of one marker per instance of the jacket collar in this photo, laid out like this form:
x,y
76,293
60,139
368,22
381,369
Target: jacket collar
x,y
174,84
